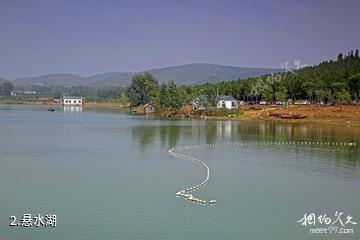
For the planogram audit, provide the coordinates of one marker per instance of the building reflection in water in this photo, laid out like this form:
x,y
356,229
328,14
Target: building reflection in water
x,y
224,129
72,109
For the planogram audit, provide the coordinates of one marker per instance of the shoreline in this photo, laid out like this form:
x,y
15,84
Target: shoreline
x,y
85,105
337,115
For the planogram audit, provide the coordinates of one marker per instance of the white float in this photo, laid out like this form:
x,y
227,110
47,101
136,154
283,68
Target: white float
x,y
203,183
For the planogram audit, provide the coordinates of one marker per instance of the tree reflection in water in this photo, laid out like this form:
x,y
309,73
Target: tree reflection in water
x,y
172,133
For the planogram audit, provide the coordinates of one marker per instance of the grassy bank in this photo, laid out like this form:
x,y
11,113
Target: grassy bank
x,y
105,105
345,115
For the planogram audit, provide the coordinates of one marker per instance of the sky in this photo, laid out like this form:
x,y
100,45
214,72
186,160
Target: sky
x,y
96,36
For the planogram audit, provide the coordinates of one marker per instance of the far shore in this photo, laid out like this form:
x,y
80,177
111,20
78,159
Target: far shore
x,y
344,115
112,105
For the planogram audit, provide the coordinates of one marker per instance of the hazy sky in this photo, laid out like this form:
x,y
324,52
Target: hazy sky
x,y
90,37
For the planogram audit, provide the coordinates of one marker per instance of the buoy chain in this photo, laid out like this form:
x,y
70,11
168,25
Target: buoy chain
x,y
185,193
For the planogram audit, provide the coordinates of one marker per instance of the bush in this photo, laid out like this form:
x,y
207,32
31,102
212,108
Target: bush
x,y
223,112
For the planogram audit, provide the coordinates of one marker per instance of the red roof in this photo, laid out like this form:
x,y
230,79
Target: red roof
x,y
149,104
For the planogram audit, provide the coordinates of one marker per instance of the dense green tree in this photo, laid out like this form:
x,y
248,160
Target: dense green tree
x,y
174,98
123,98
189,90
354,85
340,57
211,96
309,89
144,88
163,98
170,96
322,95
267,92
339,90
343,95
281,94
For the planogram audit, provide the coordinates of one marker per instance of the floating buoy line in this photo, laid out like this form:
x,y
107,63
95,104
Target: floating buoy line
x,y
186,193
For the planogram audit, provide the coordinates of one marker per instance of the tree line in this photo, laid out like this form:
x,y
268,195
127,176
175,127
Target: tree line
x,y
146,88
330,80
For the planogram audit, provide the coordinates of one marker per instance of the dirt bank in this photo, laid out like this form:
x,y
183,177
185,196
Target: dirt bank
x,y
349,115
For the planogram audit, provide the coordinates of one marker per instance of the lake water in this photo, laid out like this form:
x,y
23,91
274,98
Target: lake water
x,y
107,175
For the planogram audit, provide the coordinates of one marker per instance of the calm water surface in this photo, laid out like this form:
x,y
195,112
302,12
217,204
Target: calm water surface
x,y
107,175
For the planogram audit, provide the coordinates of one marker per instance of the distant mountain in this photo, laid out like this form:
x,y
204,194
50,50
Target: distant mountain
x,y
196,73
51,79
107,79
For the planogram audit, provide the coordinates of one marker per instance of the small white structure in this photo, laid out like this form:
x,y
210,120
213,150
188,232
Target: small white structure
x,y
199,103
227,102
70,100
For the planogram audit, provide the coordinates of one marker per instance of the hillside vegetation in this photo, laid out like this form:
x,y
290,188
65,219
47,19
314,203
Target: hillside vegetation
x,y
196,73
330,80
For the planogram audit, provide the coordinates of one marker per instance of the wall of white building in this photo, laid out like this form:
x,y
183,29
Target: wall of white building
x,y
228,104
73,101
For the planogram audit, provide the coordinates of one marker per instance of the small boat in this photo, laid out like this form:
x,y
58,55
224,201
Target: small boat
x,y
287,115
51,109
300,117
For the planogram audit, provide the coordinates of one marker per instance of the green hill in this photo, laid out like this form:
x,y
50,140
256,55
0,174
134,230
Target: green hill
x,y
196,73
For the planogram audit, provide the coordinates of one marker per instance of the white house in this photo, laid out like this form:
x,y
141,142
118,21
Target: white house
x,y
70,100
227,102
